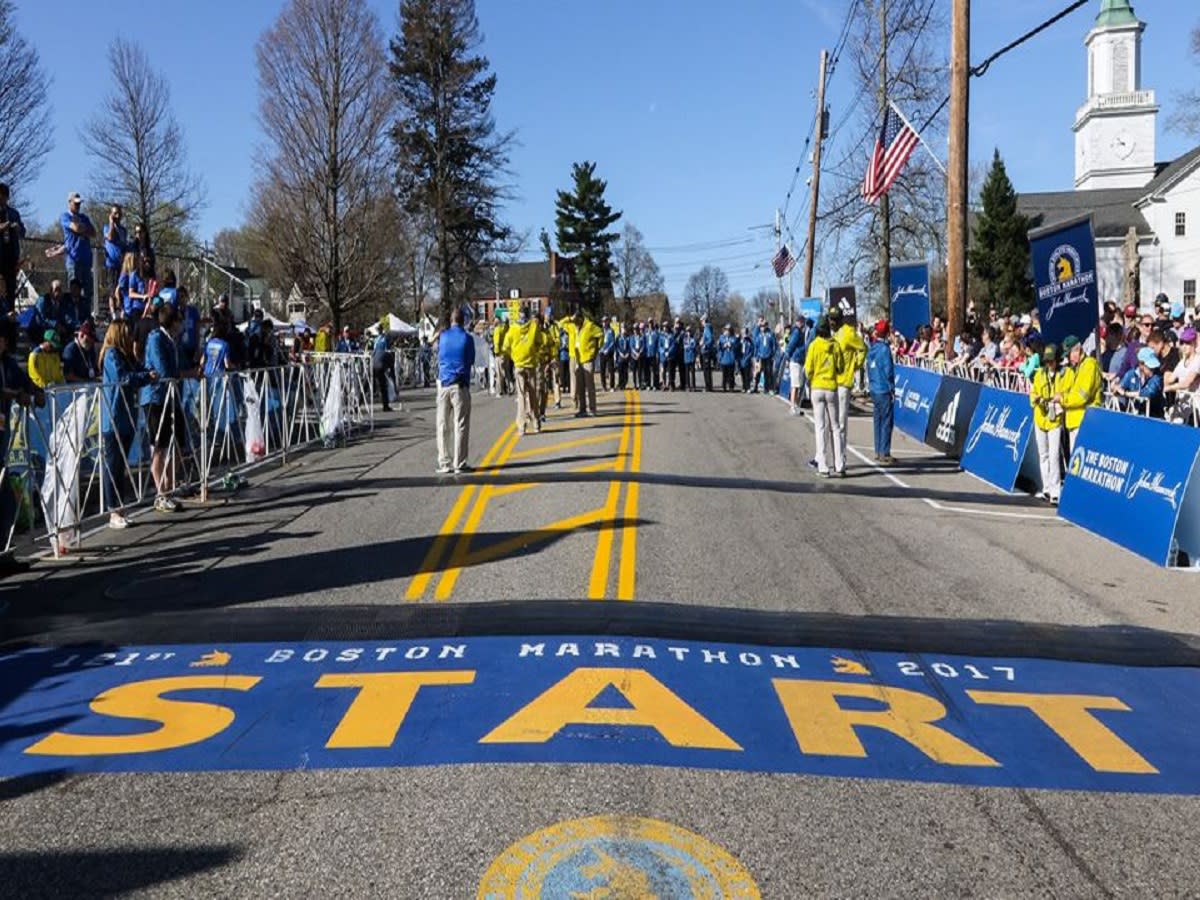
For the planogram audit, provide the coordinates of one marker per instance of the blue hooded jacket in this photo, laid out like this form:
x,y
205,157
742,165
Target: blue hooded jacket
x,y
795,348
652,341
689,350
881,370
765,344
727,350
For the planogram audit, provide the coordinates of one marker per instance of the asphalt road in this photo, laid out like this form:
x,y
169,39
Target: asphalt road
x,y
702,503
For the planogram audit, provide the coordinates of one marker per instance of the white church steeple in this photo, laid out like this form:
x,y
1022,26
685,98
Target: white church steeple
x,y
1115,128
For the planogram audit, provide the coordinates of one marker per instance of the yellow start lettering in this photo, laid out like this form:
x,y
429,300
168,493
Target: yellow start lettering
x,y
1068,717
823,727
181,722
652,705
384,699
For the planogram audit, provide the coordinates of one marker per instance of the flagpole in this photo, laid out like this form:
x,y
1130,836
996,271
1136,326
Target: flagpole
x,y
937,162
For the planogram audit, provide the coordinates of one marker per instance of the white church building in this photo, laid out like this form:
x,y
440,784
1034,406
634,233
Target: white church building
x,y
1136,201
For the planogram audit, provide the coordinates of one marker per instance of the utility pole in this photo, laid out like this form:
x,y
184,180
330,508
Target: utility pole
x,y
816,176
956,181
885,207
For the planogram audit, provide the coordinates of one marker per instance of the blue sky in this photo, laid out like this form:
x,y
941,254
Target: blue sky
x,y
696,112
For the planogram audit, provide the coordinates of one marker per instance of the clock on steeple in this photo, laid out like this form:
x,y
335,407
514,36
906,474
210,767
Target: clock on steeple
x,y
1114,129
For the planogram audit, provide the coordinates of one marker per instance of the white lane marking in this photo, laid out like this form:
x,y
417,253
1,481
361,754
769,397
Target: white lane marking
x,y
941,507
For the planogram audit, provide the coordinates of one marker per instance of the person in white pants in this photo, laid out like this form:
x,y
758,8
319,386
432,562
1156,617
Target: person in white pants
x,y
1048,422
823,365
456,358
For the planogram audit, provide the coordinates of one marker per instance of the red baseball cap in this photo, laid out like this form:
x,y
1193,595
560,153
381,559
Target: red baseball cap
x,y
882,327
1130,310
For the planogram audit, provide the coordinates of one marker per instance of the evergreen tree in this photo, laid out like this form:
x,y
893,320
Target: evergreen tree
x,y
449,156
581,219
999,256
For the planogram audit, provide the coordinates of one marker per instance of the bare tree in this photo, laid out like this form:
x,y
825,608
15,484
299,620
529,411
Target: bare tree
x,y
706,293
449,157
853,236
635,272
25,130
763,303
1186,117
322,198
139,147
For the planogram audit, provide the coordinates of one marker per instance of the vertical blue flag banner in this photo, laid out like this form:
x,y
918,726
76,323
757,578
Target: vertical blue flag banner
x,y
1133,481
916,392
810,307
910,298
1064,270
998,440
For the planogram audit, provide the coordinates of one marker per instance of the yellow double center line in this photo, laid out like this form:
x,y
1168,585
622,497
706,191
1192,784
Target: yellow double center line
x,y
457,538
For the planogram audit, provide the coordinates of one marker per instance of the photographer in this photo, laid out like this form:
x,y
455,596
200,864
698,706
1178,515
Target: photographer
x,y
116,245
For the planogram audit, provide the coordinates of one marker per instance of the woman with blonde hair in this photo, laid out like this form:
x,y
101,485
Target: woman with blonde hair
x,y
122,375
131,294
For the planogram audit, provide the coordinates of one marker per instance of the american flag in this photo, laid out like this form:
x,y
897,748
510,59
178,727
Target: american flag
x,y
895,144
783,261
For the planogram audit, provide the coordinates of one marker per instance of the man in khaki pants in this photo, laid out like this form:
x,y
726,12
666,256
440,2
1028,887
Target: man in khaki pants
x,y
456,358
523,345
585,347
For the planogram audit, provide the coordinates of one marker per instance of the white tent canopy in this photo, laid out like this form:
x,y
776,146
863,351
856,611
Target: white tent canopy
x,y
397,327
278,324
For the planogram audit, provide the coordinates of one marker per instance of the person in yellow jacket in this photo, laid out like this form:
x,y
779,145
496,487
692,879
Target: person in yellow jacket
x,y
45,362
1084,387
825,366
503,364
523,345
586,337
1044,396
854,357
324,340
548,382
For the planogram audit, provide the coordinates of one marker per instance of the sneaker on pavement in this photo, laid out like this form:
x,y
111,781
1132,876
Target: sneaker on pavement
x,y
443,470
812,464
165,504
117,521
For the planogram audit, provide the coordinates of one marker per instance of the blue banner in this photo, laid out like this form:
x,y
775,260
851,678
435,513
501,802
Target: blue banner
x,y
910,298
916,391
810,308
831,712
998,439
1064,270
1128,480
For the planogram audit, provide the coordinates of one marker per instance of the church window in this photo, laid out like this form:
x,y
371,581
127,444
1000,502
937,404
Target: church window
x,y
1189,291
1180,224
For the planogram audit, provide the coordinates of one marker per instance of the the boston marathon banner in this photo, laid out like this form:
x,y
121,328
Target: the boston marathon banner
x,y
1134,481
950,417
916,391
1064,269
910,298
999,441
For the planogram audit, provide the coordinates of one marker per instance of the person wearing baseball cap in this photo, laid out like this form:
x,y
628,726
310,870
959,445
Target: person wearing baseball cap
x,y
1045,388
823,364
1083,386
79,356
45,363
793,352
1186,375
1144,385
727,358
608,356
78,232
881,378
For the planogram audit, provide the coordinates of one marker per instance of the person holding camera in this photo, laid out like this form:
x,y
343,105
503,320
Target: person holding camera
x,y
116,245
1047,385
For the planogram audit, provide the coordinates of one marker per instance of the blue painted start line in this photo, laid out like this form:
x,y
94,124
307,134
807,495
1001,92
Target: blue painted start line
x,y
959,720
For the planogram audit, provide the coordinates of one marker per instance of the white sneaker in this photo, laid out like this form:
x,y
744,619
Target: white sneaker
x,y
117,521
443,470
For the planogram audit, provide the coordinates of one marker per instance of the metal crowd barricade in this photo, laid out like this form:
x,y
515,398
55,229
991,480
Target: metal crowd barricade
x,y
82,455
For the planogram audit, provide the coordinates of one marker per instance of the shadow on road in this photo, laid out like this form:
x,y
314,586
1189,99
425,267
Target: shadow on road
x,y
105,873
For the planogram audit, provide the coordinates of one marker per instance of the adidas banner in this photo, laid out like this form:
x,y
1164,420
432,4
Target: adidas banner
x,y
950,418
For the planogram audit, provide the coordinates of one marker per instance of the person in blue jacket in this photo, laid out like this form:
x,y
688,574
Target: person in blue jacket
x,y
160,398
727,358
650,364
637,357
881,379
689,360
765,346
624,345
668,341
745,354
708,352
608,352
793,352
122,376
